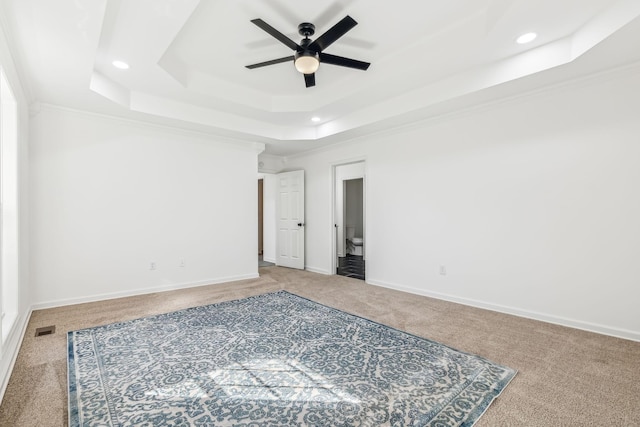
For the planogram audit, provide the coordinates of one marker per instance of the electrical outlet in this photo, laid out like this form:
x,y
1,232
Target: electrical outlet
x,y
152,265
443,270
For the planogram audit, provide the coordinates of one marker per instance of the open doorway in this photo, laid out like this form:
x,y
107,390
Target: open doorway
x,y
349,220
266,220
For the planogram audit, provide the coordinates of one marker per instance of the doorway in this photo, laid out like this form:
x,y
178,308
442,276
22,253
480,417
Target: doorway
x,y
281,228
349,220
266,218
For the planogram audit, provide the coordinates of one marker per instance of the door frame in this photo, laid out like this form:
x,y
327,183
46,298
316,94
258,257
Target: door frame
x,y
332,225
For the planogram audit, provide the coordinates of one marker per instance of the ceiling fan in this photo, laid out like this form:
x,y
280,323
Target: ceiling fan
x,y
309,54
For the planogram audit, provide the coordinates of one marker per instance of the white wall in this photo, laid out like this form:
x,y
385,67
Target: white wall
x,y
111,196
10,345
531,205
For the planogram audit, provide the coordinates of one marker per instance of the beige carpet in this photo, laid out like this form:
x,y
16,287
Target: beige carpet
x,y
566,377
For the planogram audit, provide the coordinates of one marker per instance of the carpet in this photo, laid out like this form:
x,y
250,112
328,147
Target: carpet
x,y
275,359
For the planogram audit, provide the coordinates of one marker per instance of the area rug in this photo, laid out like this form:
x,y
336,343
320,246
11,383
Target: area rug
x,y
275,359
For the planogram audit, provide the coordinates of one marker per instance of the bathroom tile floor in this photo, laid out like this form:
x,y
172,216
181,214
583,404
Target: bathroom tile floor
x,y
351,266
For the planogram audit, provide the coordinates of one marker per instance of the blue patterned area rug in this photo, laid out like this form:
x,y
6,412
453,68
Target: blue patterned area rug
x,y
272,360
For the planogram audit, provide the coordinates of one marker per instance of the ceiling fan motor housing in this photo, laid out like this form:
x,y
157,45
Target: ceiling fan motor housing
x,y
306,29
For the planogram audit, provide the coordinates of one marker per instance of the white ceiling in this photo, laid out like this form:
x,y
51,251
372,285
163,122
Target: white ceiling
x,y
188,59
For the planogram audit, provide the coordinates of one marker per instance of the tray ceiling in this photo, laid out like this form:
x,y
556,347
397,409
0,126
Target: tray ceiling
x,y
187,60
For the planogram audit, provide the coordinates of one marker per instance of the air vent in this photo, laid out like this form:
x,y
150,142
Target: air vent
x,y
46,330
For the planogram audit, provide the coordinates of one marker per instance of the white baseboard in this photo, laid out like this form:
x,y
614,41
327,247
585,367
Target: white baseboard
x,y
557,320
273,260
318,270
10,350
143,291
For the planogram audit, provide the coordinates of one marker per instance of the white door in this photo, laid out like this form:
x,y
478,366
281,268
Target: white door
x,y
290,214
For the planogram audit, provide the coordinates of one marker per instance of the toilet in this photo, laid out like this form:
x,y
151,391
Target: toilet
x,y
354,244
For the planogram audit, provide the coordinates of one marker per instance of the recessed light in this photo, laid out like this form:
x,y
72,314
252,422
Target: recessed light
x,y
526,38
120,64
315,119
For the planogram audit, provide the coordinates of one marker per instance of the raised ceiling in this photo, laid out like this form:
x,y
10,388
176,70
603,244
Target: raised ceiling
x,y
188,59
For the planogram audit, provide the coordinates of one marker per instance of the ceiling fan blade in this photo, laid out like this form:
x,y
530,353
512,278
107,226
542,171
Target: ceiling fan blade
x,y
276,34
273,61
325,58
310,79
333,34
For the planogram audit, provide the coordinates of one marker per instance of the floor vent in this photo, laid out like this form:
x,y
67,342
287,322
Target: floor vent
x,y
46,330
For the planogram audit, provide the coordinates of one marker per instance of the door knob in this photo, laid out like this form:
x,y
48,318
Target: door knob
x,y
300,224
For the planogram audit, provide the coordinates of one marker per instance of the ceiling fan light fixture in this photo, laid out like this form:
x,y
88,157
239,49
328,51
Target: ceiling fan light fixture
x,y
307,62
